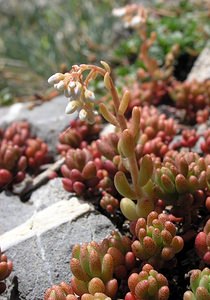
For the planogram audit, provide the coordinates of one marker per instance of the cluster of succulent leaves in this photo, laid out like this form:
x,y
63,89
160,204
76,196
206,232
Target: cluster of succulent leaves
x,y
150,176
135,167
20,152
5,270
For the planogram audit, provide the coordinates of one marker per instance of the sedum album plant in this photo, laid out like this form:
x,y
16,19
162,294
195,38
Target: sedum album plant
x,y
81,99
181,180
161,192
199,285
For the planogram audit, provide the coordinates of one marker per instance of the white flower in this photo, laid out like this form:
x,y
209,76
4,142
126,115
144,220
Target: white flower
x,y
119,12
80,98
136,21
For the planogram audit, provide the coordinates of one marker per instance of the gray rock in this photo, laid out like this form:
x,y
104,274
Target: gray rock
x,y
201,68
43,260
13,212
48,194
41,246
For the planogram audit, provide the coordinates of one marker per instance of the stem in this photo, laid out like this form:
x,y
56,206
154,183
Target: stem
x,y
121,119
133,165
88,78
133,168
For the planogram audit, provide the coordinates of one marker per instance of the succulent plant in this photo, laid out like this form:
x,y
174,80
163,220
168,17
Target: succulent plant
x,y
92,269
189,139
107,145
147,285
199,285
63,291
84,174
78,132
19,151
205,145
79,170
156,239
5,270
202,243
136,162
36,152
12,164
96,296
123,258
18,133
109,203
95,266
151,84
193,96
182,181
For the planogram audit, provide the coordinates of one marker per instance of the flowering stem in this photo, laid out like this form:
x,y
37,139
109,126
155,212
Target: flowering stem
x,y
133,168
95,69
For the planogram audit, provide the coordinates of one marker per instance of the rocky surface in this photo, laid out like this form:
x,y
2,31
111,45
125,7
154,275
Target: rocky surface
x,y
40,247
43,260
201,68
13,212
38,235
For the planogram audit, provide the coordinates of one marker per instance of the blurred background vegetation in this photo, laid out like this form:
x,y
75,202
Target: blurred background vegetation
x,y
41,37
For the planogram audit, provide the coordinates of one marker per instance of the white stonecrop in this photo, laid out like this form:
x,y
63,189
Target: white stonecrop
x,y
80,98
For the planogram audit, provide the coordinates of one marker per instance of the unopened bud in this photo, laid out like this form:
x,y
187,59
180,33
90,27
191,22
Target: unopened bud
x,y
71,107
55,78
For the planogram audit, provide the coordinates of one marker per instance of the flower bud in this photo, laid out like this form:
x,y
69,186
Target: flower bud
x,y
55,78
71,107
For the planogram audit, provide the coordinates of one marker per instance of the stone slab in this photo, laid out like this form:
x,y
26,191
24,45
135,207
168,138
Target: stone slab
x,y
43,260
13,212
50,217
49,194
201,68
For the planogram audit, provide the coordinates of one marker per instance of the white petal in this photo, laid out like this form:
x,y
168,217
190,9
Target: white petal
x,y
119,12
137,20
